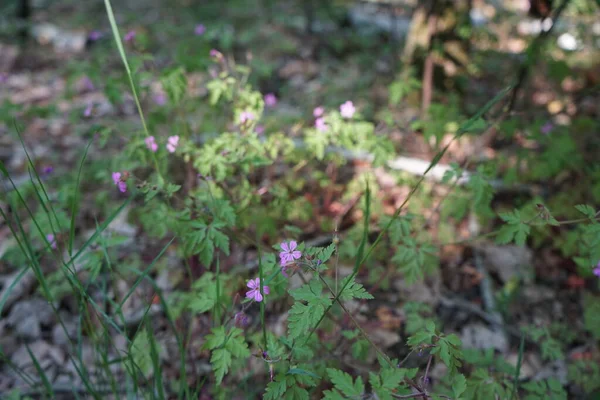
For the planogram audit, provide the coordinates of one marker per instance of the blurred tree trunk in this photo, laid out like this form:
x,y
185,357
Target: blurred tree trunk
x,y
434,39
23,16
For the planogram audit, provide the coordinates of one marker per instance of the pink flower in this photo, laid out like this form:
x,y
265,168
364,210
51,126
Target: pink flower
x,y
270,100
289,252
254,293
246,116
52,240
260,129
122,185
151,144
347,109
172,143
88,110
86,83
199,30
160,99
129,36
317,112
216,54
320,124
596,270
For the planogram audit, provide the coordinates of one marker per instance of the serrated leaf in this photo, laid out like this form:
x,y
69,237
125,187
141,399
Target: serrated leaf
x,y
275,390
220,361
354,290
343,382
140,354
459,385
202,304
586,210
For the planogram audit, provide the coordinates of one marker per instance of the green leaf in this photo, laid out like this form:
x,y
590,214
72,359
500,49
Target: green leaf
x,y
220,360
343,382
459,385
202,304
586,210
141,355
224,347
174,83
275,390
515,229
354,290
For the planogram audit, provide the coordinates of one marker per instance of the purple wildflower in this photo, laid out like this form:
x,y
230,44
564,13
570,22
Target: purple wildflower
x,y
87,84
122,185
318,112
289,252
320,124
160,99
52,240
172,143
596,270
88,110
129,36
47,170
347,109
254,292
199,30
246,116
216,54
151,144
270,100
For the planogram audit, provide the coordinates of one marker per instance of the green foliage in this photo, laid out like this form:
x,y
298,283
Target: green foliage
x,y
481,385
444,347
551,348
516,229
225,346
546,389
140,354
344,385
585,374
391,381
417,316
591,314
353,290
174,83
308,308
290,386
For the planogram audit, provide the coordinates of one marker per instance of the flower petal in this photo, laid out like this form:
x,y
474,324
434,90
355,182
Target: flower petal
x,y
293,245
285,247
250,294
296,254
266,290
252,284
257,296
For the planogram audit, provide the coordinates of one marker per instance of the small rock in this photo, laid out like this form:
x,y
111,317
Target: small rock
x,y
28,317
60,337
385,338
425,291
479,336
508,261
556,370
